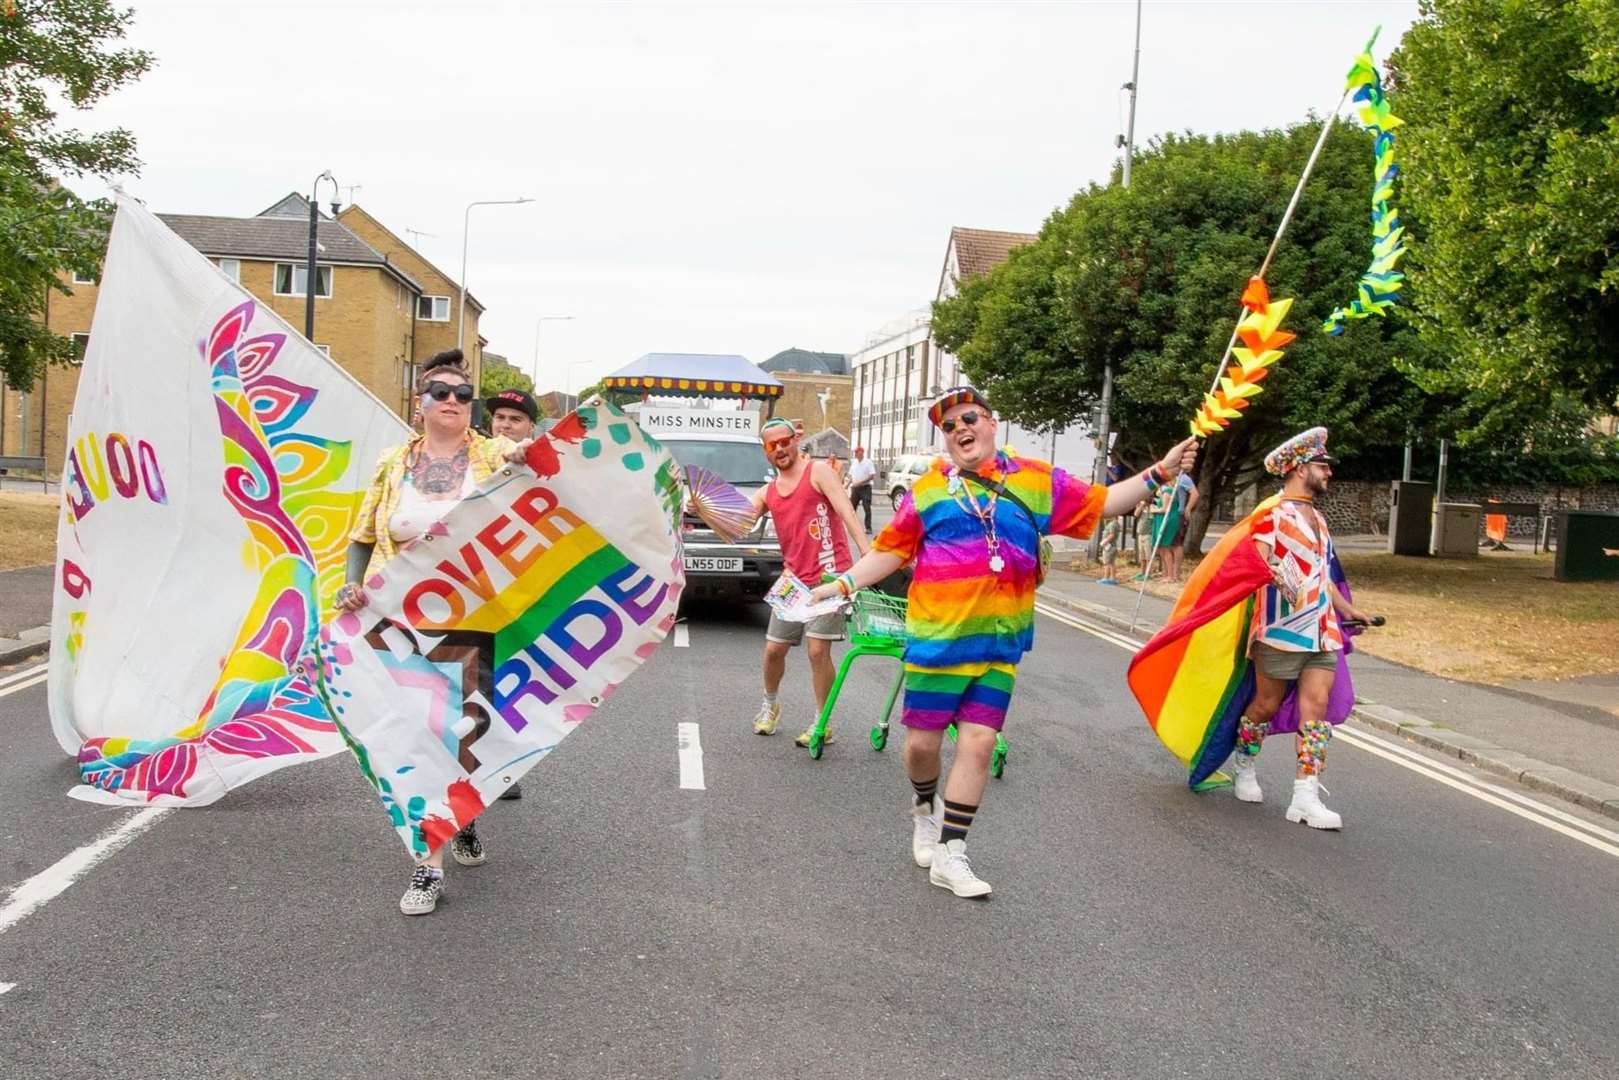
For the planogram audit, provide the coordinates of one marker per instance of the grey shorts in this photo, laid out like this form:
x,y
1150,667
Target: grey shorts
x,y
1287,666
823,627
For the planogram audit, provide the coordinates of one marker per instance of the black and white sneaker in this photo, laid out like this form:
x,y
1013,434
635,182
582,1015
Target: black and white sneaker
x,y
426,886
465,847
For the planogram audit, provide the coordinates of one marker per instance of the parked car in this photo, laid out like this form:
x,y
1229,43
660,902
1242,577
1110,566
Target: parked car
x,y
748,568
899,477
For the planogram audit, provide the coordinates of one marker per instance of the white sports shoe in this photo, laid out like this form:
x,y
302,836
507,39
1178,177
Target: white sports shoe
x,y
924,831
1308,808
1247,779
768,720
951,870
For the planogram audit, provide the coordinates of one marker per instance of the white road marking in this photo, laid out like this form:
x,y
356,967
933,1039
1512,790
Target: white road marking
x,y
17,687
25,673
1550,817
682,635
4,987
54,880
691,757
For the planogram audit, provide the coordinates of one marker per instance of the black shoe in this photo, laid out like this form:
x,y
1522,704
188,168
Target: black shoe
x,y
513,792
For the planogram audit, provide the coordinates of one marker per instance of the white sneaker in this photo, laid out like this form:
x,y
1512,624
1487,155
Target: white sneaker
x,y
1247,779
950,869
1307,806
924,831
768,719
422,896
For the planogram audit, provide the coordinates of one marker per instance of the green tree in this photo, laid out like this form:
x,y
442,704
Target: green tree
x,y
1510,153
50,51
1148,278
497,377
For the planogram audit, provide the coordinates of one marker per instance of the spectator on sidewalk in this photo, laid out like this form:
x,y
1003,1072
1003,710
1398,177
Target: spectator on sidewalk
x,y
861,479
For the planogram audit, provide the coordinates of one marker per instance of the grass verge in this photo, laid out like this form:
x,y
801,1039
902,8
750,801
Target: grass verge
x,y
27,529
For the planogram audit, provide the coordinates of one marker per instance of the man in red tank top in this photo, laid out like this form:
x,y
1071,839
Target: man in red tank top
x,y
811,511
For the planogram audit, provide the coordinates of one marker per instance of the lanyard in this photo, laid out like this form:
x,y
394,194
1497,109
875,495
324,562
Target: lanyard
x,y
985,514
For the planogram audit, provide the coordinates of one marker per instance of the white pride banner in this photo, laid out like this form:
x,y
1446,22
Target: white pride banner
x,y
488,640
216,461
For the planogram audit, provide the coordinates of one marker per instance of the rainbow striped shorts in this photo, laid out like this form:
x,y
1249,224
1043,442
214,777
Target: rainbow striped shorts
x,y
963,694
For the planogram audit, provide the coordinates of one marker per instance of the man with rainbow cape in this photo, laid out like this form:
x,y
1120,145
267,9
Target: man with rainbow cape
x,y
1256,644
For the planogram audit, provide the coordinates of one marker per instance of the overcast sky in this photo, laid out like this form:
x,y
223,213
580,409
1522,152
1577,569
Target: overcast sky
x,y
708,178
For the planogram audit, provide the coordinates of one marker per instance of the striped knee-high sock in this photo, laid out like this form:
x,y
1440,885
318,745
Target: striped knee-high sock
x,y
925,790
958,818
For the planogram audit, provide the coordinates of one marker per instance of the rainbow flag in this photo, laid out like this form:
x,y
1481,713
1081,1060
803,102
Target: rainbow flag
x,y
1194,679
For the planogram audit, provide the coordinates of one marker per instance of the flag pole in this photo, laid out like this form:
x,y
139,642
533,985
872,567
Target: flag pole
x,y
1264,267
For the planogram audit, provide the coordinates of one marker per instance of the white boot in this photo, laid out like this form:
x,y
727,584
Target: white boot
x,y
1307,806
951,870
1242,768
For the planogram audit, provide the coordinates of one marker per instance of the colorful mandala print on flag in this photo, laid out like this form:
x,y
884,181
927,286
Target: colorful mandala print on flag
x,y
487,641
207,502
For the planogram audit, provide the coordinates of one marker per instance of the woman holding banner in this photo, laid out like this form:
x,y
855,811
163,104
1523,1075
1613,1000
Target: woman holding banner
x,y
413,488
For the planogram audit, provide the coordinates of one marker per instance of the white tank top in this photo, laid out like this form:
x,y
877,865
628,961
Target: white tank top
x,y
415,513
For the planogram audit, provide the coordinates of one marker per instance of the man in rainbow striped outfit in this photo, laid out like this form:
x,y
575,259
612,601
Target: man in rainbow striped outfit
x,y
972,525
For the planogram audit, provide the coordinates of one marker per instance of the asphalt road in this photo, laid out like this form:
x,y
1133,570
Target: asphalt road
x,y
773,925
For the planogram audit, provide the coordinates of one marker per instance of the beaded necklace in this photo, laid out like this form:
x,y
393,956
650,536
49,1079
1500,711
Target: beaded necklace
x,y
985,514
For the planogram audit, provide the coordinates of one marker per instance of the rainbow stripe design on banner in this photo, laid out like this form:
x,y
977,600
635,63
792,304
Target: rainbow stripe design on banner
x,y
486,642
1379,287
1263,340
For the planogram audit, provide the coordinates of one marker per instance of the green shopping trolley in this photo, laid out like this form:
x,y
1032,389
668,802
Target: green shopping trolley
x,y
877,628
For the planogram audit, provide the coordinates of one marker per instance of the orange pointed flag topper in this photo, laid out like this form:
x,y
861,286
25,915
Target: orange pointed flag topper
x,y
1262,343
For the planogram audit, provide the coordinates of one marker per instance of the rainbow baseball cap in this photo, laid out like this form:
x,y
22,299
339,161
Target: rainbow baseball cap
x,y
956,395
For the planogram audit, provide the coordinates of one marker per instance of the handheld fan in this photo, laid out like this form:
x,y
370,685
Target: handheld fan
x,y
722,507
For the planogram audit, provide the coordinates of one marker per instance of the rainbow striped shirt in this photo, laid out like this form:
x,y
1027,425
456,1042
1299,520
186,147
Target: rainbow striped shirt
x,y
959,612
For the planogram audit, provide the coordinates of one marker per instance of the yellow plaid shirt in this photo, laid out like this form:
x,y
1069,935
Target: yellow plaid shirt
x,y
484,456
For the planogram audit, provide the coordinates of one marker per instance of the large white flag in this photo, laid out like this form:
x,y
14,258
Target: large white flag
x,y
215,464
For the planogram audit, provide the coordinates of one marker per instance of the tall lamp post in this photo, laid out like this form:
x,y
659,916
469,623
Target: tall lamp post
x,y
466,224
310,279
1128,142
535,375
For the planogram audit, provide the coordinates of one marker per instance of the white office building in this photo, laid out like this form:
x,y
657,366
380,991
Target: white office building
x,y
901,369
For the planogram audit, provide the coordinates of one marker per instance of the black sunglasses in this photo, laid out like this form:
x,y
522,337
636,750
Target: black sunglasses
x,y
967,418
440,391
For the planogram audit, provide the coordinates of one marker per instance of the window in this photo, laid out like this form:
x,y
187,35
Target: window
x,y
433,308
232,268
291,279
80,279
81,344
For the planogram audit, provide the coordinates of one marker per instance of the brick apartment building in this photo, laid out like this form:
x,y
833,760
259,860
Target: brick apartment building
x,y
380,309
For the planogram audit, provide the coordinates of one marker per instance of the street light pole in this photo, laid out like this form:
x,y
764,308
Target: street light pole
x,y
535,376
1106,426
309,267
466,223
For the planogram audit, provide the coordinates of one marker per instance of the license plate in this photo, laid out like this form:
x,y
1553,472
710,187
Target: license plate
x,y
710,564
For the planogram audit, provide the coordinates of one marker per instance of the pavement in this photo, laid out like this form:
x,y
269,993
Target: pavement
x,y
771,924
1563,748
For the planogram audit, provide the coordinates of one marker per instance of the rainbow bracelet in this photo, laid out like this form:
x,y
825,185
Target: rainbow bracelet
x,y
845,583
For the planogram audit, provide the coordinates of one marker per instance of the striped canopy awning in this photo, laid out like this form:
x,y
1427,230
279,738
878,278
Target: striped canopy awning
x,y
693,375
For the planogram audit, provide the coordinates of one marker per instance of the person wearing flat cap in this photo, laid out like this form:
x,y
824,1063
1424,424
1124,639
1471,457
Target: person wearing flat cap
x,y
512,414
1296,636
973,524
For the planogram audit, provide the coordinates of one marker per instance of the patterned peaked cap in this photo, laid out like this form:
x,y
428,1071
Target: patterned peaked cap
x,y
1302,448
956,395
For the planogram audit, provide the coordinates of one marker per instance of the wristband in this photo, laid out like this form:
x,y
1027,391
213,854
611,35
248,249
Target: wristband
x,y
1159,476
846,583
